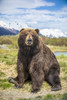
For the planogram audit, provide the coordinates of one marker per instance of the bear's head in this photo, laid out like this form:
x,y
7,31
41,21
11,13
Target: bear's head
x,y
28,38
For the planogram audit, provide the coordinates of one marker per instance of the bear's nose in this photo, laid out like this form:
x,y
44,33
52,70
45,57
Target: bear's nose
x,y
29,40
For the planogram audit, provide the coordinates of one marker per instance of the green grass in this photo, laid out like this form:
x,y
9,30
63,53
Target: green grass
x,y
62,57
9,57
4,84
64,78
49,97
56,44
57,48
63,64
2,74
9,40
55,41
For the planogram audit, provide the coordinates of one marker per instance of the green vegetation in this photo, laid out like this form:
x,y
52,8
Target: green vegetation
x,y
58,48
49,97
55,41
8,56
2,74
12,40
4,84
63,63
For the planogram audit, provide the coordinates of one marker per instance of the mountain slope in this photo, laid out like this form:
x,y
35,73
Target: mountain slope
x,y
3,24
5,31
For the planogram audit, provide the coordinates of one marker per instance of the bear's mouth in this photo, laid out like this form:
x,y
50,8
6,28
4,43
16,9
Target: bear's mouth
x,y
29,42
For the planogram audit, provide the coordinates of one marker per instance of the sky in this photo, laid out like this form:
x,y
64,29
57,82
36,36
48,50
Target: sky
x,y
42,14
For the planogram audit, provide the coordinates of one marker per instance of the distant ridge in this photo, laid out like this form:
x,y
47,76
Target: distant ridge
x,y
6,31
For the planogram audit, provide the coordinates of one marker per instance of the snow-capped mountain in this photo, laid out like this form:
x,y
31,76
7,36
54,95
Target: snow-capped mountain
x,y
14,25
53,33
3,24
6,30
12,29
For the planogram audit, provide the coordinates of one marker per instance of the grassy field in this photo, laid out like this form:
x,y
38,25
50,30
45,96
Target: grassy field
x,y
58,48
8,59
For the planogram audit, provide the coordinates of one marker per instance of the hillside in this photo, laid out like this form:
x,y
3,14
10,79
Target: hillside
x,y
6,31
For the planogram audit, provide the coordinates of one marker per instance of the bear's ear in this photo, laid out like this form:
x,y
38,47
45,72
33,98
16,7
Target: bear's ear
x,y
37,30
21,29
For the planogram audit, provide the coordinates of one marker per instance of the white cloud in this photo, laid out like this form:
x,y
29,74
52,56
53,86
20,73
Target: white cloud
x,y
64,9
38,19
9,6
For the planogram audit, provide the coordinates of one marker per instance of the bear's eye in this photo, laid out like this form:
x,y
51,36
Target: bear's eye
x,y
32,35
25,34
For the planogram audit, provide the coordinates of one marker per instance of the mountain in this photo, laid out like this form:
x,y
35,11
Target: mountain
x,y
6,30
53,33
3,24
13,29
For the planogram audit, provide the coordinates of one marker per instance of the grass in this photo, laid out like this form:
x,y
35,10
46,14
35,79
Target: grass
x,y
2,74
4,84
49,97
55,41
63,64
9,40
9,57
58,48
56,44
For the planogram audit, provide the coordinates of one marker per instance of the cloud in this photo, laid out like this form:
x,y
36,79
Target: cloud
x,y
64,9
9,6
38,19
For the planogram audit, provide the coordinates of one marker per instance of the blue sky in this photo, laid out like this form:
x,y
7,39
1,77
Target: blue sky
x,y
34,13
58,5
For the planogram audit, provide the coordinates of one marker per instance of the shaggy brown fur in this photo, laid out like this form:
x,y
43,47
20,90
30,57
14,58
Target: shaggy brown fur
x,y
36,62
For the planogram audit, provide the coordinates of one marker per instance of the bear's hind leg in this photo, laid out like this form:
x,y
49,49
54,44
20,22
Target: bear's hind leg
x,y
54,80
37,80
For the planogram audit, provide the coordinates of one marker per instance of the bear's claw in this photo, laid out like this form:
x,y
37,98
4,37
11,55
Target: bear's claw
x,y
11,80
35,91
17,87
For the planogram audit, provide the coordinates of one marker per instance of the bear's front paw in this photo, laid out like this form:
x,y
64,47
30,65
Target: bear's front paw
x,y
18,86
35,90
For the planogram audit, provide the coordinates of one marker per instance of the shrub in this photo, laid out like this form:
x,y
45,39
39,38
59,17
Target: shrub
x,y
55,41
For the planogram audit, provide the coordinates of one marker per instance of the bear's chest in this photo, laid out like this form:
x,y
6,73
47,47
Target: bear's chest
x,y
26,63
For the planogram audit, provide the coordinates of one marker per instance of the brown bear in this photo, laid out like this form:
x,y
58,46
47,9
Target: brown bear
x,y
36,62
